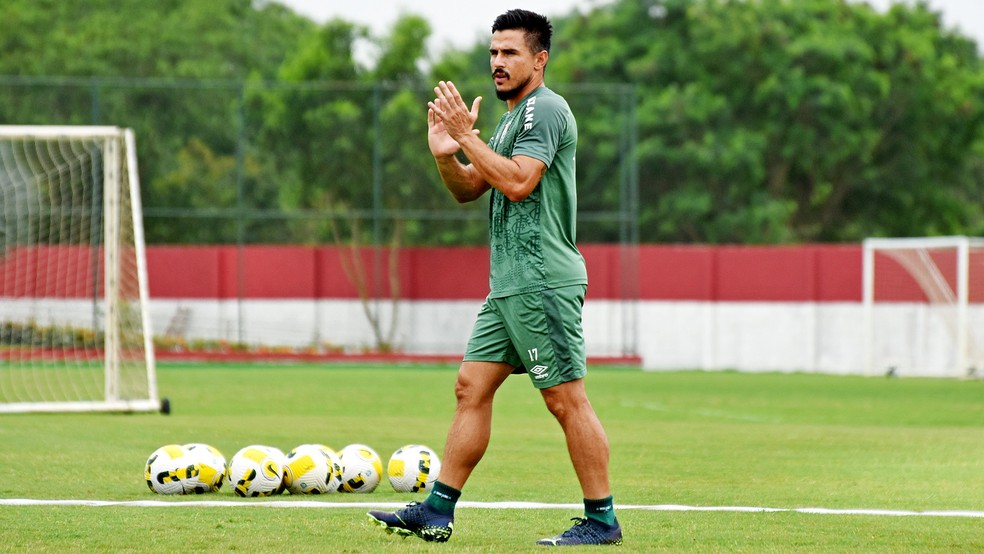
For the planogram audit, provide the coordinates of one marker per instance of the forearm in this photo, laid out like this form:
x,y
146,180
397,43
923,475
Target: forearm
x,y
463,182
507,175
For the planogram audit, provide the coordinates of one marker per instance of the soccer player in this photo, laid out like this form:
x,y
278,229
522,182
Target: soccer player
x,y
531,321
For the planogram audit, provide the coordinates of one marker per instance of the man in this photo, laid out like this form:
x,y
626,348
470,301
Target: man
x,y
531,320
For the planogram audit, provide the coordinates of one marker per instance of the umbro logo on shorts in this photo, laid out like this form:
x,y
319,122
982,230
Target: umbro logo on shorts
x,y
539,372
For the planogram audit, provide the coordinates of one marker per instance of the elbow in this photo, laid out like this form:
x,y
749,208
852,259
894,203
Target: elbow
x,y
461,198
466,195
519,192
516,196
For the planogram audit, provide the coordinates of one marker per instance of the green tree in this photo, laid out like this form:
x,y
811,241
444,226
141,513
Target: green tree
x,y
168,69
351,141
348,142
758,120
206,39
775,121
312,123
207,184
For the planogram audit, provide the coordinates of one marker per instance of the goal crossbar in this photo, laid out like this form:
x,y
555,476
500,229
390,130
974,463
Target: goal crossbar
x,y
54,131
921,242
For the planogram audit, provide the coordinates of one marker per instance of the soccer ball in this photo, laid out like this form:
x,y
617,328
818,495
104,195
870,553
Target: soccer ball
x,y
168,469
335,460
413,468
362,468
312,469
211,468
257,470
274,451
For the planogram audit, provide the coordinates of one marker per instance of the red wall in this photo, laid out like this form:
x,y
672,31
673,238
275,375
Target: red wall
x,y
816,273
313,272
823,273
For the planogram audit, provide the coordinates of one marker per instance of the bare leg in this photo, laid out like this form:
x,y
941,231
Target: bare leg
x,y
587,442
471,427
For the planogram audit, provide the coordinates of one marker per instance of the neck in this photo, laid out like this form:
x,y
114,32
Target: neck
x,y
527,90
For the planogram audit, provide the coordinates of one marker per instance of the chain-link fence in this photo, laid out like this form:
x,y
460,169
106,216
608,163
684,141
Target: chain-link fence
x,y
250,162
317,163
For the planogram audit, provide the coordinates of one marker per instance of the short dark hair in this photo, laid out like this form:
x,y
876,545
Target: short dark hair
x,y
538,28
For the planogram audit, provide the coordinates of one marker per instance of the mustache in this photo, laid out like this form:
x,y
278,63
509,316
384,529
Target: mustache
x,y
500,73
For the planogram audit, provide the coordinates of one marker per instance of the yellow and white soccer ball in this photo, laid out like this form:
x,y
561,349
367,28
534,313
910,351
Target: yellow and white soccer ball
x,y
312,469
362,468
211,468
257,470
335,459
413,468
169,468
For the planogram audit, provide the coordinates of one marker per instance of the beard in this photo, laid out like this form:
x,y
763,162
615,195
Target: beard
x,y
509,94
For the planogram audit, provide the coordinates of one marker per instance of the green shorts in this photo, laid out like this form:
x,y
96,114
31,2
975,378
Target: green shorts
x,y
539,332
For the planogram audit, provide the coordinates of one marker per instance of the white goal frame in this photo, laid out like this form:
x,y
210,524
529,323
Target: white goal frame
x,y
946,312
119,177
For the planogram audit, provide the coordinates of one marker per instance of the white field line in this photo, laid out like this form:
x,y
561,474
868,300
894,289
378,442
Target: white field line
x,y
468,504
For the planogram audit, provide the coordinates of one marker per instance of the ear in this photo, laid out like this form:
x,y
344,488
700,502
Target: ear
x,y
541,59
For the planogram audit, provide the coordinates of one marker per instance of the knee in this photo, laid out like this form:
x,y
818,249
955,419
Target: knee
x,y
467,392
562,406
559,411
461,389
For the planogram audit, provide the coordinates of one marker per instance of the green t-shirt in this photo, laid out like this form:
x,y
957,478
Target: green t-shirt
x,y
533,241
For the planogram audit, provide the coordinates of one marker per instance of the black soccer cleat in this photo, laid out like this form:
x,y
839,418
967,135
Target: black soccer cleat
x,y
416,519
586,531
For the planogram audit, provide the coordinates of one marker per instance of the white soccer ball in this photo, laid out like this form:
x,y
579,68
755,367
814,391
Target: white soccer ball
x,y
413,468
362,468
337,470
312,469
274,451
211,468
257,470
277,454
168,469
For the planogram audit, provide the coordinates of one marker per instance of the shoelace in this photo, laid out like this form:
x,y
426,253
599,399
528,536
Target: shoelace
x,y
412,513
581,527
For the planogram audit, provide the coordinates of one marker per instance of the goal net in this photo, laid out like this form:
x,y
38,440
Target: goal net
x,y
74,326
924,306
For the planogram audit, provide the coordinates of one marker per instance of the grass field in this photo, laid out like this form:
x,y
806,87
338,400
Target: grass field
x,y
699,440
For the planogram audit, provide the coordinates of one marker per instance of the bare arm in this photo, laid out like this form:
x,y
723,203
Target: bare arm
x,y
449,116
514,177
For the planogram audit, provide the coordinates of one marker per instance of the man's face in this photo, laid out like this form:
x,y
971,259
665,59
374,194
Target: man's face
x,y
512,63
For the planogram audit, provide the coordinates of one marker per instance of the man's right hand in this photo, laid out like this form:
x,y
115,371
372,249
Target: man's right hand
x,y
440,142
448,115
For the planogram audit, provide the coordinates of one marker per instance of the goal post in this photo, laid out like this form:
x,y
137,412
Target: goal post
x,y
75,329
923,304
